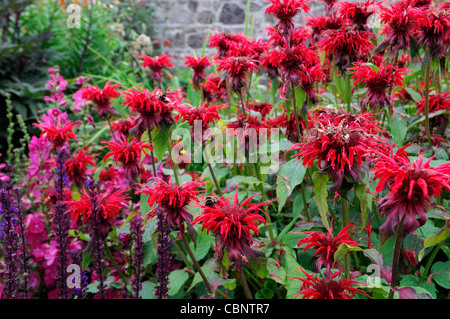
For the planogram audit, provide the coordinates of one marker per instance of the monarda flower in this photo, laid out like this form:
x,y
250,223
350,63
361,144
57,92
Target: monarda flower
x,y
290,125
77,166
434,34
285,11
214,89
198,65
232,224
152,108
173,200
157,64
316,288
346,46
237,69
377,82
101,97
322,23
358,12
411,186
223,41
437,102
401,25
128,154
59,134
326,245
123,126
340,152
263,108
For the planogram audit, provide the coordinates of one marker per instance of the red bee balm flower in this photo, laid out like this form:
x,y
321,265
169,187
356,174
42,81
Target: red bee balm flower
x,y
157,64
232,223
56,133
128,153
285,11
198,65
223,41
173,199
109,204
316,288
377,82
327,244
411,186
101,97
437,102
76,166
238,69
204,112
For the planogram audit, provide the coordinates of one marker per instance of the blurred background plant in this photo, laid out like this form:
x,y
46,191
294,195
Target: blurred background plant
x,y
35,36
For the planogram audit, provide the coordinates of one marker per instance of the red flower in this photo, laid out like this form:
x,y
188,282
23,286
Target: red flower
x,y
237,69
108,205
198,65
173,199
437,102
289,124
123,125
56,133
76,166
322,23
285,11
434,34
204,112
377,82
327,244
340,151
411,186
128,153
232,224
153,108
101,97
346,46
157,64
263,108
316,288
223,41
214,89
402,23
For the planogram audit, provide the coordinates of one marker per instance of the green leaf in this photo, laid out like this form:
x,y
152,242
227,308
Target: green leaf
x,y
434,240
416,96
276,271
398,128
320,196
177,278
288,177
161,140
148,288
360,192
344,249
204,242
441,272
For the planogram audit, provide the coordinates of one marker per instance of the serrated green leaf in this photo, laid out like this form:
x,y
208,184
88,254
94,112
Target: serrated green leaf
x,y
398,128
433,240
161,140
441,273
289,176
177,279
320,196
344,249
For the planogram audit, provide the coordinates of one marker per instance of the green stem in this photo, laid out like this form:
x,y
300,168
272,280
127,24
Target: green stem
x,y
430,261
345,222
113,261
264,197
297,123
196,265
244,284
426,110
174,165
305,204
151,151
396,257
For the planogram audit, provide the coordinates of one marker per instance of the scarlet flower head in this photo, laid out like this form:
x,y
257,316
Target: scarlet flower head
x,y
316,288
101,97
437,102
232,224
152,108
76,166
128,153
322,23
173,199
157,65
198,65
285,11
205,113
346,46
377,82
237,69
108,205
58,133
340,151
402,23
123,126
358,12
327,244
223,41
214,89
263,108
289,124
411,186
434,34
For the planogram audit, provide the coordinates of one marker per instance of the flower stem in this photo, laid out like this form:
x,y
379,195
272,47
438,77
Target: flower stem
x,y
430,261
151,151
113,261
305,204
345,222
397,248
427,98
244,284
264,197
196,265
297,123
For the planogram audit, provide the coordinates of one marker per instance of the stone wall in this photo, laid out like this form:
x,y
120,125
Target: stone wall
x,y
185,23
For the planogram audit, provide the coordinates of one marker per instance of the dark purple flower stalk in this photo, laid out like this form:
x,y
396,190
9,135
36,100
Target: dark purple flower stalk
x,y
138,255
96,235
81,291
61,225
162,268
10,240
24,254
